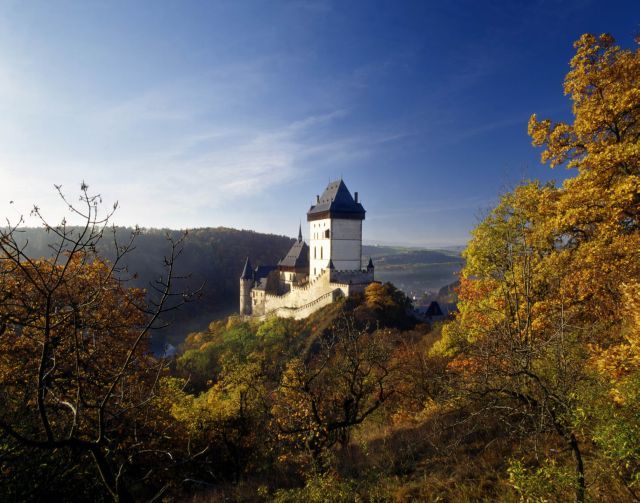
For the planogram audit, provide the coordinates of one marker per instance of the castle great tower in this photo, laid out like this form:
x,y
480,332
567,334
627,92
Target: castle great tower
x,y
335,231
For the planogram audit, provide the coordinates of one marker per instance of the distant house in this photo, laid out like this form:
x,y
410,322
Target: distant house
x,y
434,310
431,313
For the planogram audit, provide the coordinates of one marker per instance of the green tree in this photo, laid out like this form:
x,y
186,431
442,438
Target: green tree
x,y
321,400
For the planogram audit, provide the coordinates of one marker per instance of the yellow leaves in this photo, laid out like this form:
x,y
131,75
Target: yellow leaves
x,y
597,213
377,296
621,359
603,85
559,134
632,305
538,130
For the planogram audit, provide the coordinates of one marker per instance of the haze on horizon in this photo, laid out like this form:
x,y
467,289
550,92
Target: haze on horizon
x,y
203,114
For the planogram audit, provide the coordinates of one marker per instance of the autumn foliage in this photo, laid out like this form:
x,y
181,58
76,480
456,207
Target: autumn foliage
x,y
547,329
529,392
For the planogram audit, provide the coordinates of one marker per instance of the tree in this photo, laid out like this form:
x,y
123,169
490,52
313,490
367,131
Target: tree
x,y
544,293
75,373
515,353
229,419
321,400
390,305
597,214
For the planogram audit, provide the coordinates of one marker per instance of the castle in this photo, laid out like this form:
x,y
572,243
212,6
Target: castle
x,y
312,276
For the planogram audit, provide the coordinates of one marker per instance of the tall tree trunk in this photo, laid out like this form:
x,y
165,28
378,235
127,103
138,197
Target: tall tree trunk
x,y
577,456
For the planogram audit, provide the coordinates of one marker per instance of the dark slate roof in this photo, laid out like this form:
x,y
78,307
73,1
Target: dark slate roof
x,y
261,284
370,264
433,309
263,271
263,278
247,272
297,257
338,202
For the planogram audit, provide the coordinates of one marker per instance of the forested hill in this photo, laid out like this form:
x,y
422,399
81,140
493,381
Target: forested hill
x,y
212,257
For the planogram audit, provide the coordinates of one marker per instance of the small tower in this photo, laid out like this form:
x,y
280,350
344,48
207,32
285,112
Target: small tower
x,y
370,267
335,230
246,284
294,267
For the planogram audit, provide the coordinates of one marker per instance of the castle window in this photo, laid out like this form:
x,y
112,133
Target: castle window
x,y
314,254
321,251
327,233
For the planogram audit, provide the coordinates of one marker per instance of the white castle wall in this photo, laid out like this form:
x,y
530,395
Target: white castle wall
x,y
319,246
257,302
301,301
342,244
346,244
299,296
307,309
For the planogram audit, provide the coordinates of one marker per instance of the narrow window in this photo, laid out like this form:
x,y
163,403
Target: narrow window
x,y
321,248
314,254
327,233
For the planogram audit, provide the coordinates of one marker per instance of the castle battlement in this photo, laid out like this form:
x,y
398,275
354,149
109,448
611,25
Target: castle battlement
x,y
312,276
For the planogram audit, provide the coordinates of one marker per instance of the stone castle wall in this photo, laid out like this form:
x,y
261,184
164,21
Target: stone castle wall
x,y
301,301
302,295
303,311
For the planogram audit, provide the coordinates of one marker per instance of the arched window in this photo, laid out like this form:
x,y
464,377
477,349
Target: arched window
x,y
321,251
314,254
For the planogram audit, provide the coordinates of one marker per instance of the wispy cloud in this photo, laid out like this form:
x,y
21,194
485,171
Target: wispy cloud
x,y
183,166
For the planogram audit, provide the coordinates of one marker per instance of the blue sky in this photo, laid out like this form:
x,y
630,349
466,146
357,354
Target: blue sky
x,y
197,114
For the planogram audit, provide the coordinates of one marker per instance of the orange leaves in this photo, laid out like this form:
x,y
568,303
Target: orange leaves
x,y
474,290
623,358
464,365
86,320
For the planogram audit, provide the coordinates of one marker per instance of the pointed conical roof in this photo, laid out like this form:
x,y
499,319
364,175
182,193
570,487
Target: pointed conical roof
x,y
336,202
300,232
434,309
370,264
331,266
247,272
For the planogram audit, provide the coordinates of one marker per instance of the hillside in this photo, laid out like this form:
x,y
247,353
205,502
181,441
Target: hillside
x,y
213,259
415,271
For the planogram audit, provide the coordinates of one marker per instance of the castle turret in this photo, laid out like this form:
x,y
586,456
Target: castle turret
x,y
294,267
335,230
246,284
370,267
